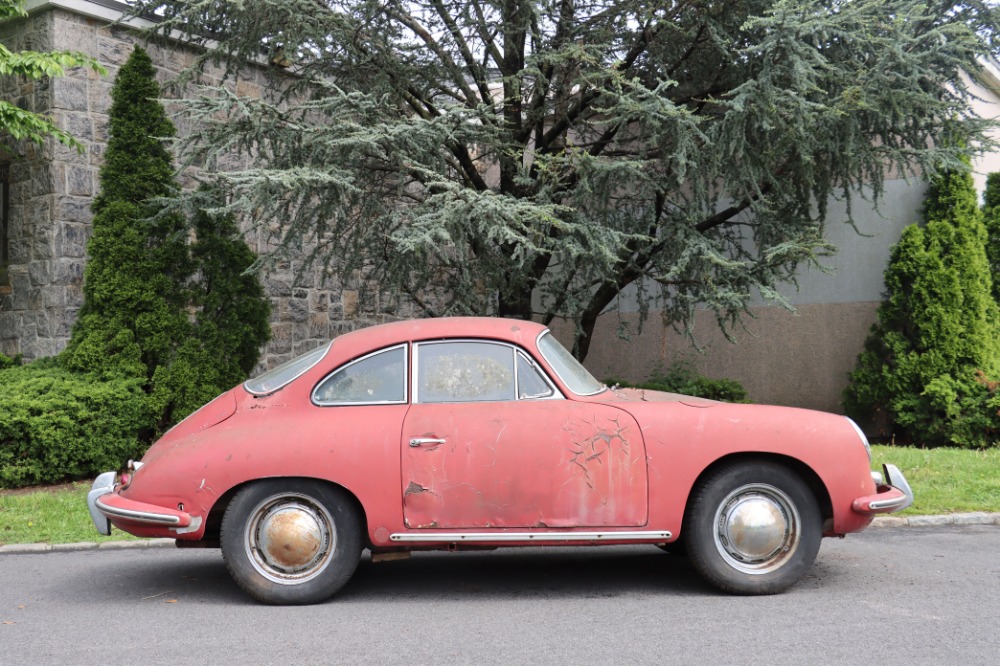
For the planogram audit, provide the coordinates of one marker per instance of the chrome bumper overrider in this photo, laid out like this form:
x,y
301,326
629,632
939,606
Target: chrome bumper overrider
x,y
103,485
893,494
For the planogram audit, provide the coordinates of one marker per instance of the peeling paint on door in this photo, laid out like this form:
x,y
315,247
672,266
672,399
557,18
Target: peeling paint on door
x,y
538,464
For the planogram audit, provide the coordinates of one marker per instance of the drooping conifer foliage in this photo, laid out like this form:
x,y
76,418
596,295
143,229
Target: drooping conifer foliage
x,y
188,324
537,158
928,372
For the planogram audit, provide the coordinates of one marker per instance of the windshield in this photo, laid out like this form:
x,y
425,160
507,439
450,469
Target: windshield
x,y
281,376
575,376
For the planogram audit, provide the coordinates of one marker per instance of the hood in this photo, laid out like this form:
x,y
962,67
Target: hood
x,y
646,395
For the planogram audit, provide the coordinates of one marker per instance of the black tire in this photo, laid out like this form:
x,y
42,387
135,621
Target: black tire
x,y
291,542
675,548
781,509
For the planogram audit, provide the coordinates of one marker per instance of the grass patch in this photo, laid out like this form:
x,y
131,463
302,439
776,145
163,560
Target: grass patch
x,y
52,515
943,481
946,480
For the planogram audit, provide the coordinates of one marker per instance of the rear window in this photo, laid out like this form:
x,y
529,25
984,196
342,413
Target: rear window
x,y
283,375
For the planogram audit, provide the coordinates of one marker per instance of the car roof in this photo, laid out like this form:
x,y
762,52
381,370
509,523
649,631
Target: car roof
x,y
373,337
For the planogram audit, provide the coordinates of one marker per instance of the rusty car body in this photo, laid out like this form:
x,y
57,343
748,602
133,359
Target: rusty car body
x,y
479,432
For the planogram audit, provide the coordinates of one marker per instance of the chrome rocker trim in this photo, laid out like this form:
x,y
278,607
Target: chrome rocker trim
x,y
541,537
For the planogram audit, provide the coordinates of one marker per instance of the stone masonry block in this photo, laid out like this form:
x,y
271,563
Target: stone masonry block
x,y
54,298
74,295
19,251
67,272
75,35
80,125
74,209
40,272
349,300
80,180
113,51
71,240
281,339
42,180
69,94
100,97
319,326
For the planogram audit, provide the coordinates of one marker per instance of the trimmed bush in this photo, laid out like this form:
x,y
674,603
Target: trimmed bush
x,y
8,362
682,378
183,318
991,218
56,425
233,312
926,372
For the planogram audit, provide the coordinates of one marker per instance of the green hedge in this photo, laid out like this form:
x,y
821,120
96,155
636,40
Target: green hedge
x,y
56,425
681,378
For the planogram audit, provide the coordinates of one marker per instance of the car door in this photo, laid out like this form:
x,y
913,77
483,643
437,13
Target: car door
x,y
490,442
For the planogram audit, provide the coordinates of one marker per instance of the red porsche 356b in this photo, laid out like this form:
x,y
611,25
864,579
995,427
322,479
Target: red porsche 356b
x,y
479,432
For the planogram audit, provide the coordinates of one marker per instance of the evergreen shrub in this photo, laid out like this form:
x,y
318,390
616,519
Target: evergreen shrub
x,y
991,218
927,373
682,378
183,317
57,425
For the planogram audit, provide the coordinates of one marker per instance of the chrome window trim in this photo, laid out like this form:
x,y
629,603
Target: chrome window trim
x,y
319,359
556,372
555,394
415,379
406,387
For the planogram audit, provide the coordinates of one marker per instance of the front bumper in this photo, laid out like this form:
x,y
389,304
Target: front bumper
x,y
892,494
107,507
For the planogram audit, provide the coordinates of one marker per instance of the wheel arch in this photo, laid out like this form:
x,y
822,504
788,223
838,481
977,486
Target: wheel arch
x,y
213,524
806,473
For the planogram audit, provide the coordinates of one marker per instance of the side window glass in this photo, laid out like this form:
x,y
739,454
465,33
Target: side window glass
x,y
377,378
530,382
464,372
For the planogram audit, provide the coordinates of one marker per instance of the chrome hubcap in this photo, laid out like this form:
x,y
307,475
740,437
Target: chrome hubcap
x,y
756,528
290,539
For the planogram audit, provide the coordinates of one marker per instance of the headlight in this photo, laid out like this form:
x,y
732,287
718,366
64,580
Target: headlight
x,y
864,440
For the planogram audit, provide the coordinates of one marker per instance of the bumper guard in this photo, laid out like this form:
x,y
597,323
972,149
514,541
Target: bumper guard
x,y
891,496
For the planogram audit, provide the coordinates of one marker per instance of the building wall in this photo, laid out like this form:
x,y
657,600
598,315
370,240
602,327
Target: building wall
x,y
51,191
798,358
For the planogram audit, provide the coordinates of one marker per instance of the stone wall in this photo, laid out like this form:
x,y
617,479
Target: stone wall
x,y
51,191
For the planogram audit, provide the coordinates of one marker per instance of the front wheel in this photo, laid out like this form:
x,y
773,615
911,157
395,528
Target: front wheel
x,y
753,528
291,541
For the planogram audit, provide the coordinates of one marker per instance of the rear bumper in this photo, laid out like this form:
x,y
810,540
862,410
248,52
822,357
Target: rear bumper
x,y
893,494
107,507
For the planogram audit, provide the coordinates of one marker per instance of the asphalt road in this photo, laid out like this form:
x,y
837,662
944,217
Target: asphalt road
x,y
887,596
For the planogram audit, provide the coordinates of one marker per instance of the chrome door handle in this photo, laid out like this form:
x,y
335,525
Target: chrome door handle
x,y
420,441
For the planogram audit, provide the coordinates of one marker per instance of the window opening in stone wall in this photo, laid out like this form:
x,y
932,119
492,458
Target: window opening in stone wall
x,y
4,224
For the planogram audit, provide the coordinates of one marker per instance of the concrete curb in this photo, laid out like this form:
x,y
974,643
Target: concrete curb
x,y
25,548
975,518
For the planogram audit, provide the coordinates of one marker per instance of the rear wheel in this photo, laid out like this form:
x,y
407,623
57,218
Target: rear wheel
x,y
291,541
753,528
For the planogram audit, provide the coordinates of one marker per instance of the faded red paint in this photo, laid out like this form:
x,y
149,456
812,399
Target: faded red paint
x,y
549,463
614,461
